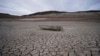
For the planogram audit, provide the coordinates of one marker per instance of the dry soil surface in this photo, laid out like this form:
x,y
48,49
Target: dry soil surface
x,y
27,39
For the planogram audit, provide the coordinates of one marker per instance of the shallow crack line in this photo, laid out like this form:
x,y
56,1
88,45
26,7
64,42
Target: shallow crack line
x,y
75,53
96,43
68,53
91,53
1,54
20,52
1,50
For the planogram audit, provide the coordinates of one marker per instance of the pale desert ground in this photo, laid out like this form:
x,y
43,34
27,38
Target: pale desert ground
x,y
25,38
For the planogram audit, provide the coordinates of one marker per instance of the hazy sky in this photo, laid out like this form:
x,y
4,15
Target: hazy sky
x,y
22,7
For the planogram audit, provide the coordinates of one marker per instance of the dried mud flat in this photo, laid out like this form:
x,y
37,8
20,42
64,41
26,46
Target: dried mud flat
x,y
27,39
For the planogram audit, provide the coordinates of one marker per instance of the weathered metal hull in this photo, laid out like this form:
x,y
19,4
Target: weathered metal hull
x,y
53,28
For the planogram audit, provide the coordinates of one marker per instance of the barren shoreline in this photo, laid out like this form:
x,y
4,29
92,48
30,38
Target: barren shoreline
x,y
25,38
51,19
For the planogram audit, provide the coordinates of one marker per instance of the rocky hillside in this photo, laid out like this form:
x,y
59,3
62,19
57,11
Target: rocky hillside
x,y
3,15
57,14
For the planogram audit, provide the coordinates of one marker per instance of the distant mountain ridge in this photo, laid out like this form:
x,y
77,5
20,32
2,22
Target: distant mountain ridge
x,y
90,13
51,12
57,14
47,12
4,15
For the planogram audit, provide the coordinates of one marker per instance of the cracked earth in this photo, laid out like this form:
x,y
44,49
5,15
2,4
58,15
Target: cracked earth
x,y
27,39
